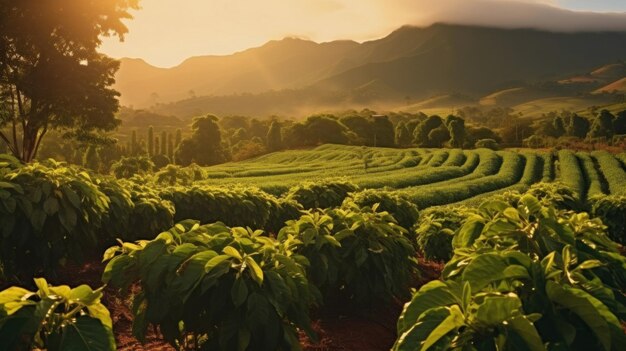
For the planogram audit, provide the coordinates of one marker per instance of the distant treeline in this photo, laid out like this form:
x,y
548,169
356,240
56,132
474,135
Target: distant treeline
x,y
213,140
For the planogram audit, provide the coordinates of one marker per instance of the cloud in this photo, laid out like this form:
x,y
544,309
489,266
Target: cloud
x,y
506,13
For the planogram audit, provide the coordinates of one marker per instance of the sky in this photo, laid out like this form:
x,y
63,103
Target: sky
x,y
166,32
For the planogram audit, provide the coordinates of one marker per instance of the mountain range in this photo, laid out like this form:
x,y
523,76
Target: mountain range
x,y
409,65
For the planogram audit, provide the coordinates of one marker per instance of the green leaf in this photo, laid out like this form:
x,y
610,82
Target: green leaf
x,y
232,252
85,334
212,263
527,332
51,206
454,321
255,270
484,270
496,309
581,304
432,295
419,331
239,292
469,232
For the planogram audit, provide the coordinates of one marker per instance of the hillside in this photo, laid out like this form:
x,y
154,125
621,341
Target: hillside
x,y
411,61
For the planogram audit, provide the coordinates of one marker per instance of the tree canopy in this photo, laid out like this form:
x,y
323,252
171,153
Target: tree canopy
x,y
51,75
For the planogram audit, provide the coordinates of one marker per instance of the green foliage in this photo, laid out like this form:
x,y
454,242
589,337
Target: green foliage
x,y
612,211
213,287
435,230
204,147
246,207
571,173
49,213
53,75
54,318
173,174
612,171
321,194
398,205
487,144
530,277
358,253
128,167
150,214
274,137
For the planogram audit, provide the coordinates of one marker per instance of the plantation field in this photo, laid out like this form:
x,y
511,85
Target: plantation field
x,y
261,254
428,177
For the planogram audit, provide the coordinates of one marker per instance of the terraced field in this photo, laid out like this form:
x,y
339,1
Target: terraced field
x,y
428,176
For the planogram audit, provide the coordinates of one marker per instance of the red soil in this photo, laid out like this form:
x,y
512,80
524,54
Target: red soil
x,y
338,327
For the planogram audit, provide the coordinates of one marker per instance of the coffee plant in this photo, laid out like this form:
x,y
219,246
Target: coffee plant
x,y
54,318
209,287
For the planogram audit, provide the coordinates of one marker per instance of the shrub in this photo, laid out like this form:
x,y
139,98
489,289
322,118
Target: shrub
x,y
247,207
322,194
530,277
54,318
611,210
397,204
213,287
359,253
173,174
487,144
49,213
128,167
435,231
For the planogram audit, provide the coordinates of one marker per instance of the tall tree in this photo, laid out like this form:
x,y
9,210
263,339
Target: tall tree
x,y
163,150
384,135
170,146
619,123
274,137
150,141
91,159
134,145
602,126
456,127
204,147
403,136
179,137
577,126
51,74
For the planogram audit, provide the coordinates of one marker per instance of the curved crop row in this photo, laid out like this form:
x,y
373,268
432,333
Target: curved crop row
x,y
570,173
592,177
612,171
510,173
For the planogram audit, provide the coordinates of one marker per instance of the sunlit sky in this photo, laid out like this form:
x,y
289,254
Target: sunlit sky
x,y
166,32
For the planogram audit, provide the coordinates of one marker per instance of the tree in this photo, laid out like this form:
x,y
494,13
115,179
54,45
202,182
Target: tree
x,y
204,147
384,135
91,159
577,126
179,137
421,132
134,146
456,127
602,126
325,129
170,146
150,141
438,136
619,123
274,137
163,150
403,136
361,127
51,74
